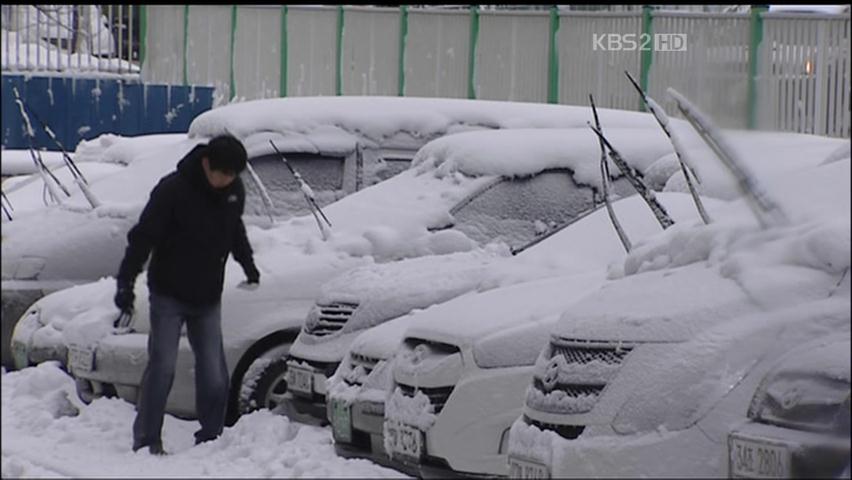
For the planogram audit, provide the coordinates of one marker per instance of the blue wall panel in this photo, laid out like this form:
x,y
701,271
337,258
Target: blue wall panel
x,y
83,108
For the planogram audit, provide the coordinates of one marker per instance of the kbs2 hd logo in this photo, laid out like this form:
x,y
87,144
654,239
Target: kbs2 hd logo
x,y
620,42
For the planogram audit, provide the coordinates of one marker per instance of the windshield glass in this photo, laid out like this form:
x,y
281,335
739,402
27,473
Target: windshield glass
x,y
324,174
518,210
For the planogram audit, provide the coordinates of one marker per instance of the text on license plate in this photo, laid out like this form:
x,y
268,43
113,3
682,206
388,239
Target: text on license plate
x,y
300,380
522,468
81,358
403,439
753,458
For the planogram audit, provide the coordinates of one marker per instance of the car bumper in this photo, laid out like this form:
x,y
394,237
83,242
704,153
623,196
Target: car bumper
x,y
310,401
600,452
805,454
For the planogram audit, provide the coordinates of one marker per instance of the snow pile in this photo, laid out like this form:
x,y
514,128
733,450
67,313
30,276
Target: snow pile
x,y
416,411
20,162
47,431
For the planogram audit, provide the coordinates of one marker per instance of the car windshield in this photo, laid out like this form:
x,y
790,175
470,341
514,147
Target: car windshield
x,y
518,210
324,174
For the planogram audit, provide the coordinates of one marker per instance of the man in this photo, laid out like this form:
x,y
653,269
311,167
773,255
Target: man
x,y
191,223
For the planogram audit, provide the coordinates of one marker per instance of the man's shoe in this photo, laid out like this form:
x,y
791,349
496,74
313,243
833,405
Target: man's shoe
x,y
153,449
157,449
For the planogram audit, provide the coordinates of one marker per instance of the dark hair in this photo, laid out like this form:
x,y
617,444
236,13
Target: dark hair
x,y
226,154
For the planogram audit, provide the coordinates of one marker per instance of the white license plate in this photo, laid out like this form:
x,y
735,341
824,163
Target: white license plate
x,y
523,468
403,440
754,458
341,421
300,380
81,358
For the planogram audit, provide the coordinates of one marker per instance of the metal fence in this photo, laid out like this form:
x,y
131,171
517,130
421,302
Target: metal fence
x,y
95,39
748,70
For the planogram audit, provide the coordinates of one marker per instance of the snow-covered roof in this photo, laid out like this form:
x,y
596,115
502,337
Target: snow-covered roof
x,y
382,119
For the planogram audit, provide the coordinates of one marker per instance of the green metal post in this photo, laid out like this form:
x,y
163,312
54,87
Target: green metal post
x,y
553,59
185,42
471,64
754,48
403,34
646,54
282,88
143,34
338,81
233,39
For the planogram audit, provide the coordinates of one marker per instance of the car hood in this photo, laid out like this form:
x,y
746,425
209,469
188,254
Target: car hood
x,y
389,290
483,318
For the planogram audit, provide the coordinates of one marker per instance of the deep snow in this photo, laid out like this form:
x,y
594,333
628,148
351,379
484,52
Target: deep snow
x,y
48,432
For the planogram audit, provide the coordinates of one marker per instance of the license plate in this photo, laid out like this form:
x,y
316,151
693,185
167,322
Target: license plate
x,y
403,440
341,421
523,468
754,458
300,380
81,358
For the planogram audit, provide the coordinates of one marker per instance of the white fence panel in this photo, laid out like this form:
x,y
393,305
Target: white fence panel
x,y
164,49
257,63
583,69
511,56
312,47
712,71
209,49
804,79
437,51
370,60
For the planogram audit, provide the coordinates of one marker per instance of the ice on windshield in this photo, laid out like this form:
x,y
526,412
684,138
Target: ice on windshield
x,y
324,174
517,210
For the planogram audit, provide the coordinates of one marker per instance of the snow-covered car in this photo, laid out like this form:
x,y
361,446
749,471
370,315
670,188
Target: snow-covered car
x,y
338,144
665,361
798,420
549,178
405,216
433,421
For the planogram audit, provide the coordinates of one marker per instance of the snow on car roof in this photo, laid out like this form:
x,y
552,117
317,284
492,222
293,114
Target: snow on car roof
x,y
522,152
379,118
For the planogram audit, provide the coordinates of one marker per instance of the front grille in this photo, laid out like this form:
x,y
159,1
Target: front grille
x,y
568,432
591,364
367,363
573,390
584,351
437,395
332,318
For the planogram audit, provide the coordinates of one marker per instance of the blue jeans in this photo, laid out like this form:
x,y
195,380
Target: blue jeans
x,y
204,330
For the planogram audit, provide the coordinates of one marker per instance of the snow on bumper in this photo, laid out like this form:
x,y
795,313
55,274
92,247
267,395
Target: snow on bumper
x,y
600,452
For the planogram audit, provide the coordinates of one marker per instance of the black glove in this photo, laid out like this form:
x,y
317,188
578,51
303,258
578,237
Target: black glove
x,y
124,297
252,274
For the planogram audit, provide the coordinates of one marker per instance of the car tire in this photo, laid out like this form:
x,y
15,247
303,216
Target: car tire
x,y
264,385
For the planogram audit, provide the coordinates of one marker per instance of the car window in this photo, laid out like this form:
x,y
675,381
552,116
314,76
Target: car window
x,y
517,210
324,174
390,166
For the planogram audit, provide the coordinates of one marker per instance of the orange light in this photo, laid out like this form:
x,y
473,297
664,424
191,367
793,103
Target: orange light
x,y
808,67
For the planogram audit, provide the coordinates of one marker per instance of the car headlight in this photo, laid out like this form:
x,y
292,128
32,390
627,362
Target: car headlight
x,y
22,335
807,403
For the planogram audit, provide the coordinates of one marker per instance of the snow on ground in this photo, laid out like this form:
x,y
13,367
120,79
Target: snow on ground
x,y
48,432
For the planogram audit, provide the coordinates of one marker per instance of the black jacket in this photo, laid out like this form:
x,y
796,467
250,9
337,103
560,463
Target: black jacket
x,y
191,228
